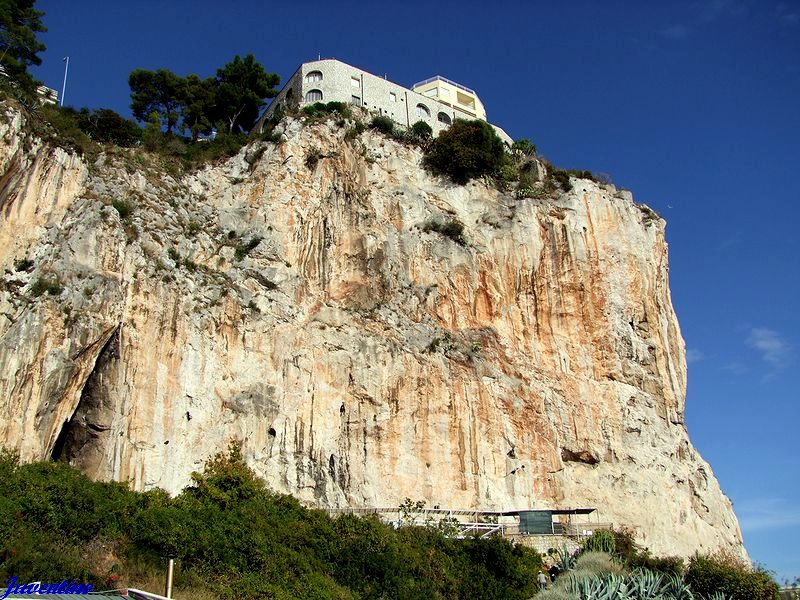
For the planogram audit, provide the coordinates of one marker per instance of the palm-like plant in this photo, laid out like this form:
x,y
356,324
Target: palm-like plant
x,y
566,560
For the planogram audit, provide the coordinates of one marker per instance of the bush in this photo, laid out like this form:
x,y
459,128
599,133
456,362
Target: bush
x,y
561,177
624,543
730,575
354,131
451,228
223,146
467,149
669,565
524,147
78,129
601,540
320,109
23,264
105,125
339,108
422,131
50,285
60,126
244,249
383,124
508,172
236,539
312,158
123,208
634,557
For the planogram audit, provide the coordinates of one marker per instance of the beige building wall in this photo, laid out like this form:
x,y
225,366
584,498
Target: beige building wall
x,y
462,99
330,80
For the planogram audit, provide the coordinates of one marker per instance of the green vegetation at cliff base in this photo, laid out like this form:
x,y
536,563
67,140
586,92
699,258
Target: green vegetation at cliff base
x,y
233,538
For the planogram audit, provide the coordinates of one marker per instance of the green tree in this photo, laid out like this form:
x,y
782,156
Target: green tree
x,y
156,92
465,150
226,480
19,48
198,98
244,85
105,125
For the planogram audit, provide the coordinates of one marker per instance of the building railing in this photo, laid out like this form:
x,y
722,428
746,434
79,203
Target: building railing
x,y
473,522
562,529
440,78
422,511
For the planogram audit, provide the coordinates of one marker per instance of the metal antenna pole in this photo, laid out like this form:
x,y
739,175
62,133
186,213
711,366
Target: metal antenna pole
x,y
64,87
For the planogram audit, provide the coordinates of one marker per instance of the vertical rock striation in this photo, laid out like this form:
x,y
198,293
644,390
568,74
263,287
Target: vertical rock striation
x,y
291,298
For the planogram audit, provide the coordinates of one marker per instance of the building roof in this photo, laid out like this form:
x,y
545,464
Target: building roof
x,y
466,511
450,81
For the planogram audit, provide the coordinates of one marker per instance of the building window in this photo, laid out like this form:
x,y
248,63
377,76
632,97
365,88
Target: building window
x,y
355,82
314,76
431,93
468,101
422,111
444,93
313,95
392,97
444,118
355,100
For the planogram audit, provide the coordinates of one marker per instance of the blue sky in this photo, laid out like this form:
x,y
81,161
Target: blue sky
x,y
694,106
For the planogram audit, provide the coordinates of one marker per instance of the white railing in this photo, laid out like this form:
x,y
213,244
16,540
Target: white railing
x,y
142,595
440,78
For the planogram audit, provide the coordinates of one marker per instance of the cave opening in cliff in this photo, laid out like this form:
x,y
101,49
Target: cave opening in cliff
x,y
580,456
61,440
84,431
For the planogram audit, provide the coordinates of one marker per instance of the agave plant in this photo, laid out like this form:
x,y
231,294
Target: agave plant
x,y
716,596
639,585
565,560
677,588
616,586
647,585
608,587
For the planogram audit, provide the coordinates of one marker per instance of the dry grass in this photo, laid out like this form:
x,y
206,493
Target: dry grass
x,y
598,563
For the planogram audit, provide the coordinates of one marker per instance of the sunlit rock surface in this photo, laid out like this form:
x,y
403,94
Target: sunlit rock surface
x,y
359,358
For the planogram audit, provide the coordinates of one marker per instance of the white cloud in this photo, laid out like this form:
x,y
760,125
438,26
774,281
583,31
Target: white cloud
x,y
767,513
786,14
710,11
693,355
773,348
736,368
717,9
675,32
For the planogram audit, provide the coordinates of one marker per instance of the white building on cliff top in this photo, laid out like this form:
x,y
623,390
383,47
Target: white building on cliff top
x,y
436,101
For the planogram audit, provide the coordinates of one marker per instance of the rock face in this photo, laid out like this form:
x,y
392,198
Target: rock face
x,y
292,298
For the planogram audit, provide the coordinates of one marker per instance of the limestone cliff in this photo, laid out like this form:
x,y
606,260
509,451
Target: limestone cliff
x,y
291,298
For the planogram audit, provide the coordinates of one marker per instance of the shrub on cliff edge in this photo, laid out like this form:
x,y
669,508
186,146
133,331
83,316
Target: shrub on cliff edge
x,y
466,150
